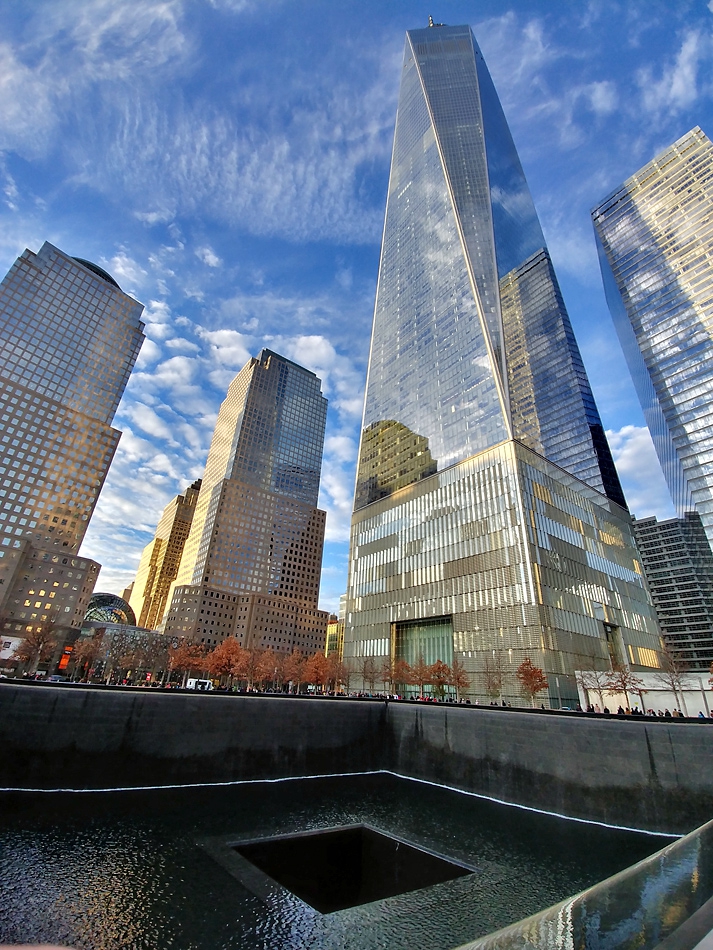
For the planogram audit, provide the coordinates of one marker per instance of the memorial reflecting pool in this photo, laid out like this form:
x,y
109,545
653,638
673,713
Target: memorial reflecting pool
x,y
132,869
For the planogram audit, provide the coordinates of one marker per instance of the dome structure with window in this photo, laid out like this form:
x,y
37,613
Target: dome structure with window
x,y
109,608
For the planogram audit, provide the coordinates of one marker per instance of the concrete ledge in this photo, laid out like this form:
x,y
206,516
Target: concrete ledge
x,y
632,772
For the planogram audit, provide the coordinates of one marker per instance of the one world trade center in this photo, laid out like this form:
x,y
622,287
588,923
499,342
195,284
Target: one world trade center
x,y
489,523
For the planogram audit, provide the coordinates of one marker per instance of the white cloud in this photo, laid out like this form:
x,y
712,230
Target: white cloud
x,y
150,352
677,89
642,479
150,422
126,271
208,256
341,448
180,343
227,348
602,95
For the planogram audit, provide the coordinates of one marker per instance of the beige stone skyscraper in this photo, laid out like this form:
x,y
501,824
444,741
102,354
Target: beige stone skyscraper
x,y
251,565
161,558
69,337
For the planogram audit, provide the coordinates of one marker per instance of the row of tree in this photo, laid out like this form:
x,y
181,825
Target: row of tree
x,y
151,656
113,655
619,681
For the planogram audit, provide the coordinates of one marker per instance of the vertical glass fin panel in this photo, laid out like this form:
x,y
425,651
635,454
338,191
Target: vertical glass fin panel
x,y
430,371
517,228
553,410
446,63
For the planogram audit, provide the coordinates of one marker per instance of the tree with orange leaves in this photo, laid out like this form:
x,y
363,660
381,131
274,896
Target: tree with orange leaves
x,y
531,678
293,669
185,658
266,667
421,674
401,673
316,670
225,659
459,677
440,676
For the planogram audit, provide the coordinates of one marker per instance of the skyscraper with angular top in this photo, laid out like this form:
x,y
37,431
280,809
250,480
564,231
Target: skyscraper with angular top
x,y
488,515
251,565
69,339
654,235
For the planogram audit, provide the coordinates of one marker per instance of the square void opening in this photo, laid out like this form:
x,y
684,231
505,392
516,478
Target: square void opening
x,y
344,867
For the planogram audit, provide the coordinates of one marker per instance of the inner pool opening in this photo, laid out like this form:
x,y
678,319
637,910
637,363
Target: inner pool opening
x,y
343,867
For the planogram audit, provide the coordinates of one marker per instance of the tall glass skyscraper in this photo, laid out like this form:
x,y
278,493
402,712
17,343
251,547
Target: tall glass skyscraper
x,y
655,234
251,565
70,337
483,467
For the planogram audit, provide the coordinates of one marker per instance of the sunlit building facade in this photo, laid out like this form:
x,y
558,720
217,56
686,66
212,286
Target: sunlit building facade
x,y
655,241
70,337
488,512
161,558
251,564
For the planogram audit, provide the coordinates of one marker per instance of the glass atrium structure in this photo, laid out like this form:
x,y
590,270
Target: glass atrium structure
x,y
472,348
655,235
70,338
251,565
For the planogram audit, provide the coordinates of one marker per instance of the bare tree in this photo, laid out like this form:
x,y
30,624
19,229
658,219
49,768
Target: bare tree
x,y
37,645
672,676
622,680
369,671
386,673
493,675
594,681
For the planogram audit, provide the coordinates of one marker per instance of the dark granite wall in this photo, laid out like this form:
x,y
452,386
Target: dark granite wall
x,y
633,772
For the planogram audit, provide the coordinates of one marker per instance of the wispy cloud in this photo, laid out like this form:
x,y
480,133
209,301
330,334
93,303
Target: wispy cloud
x,y
677,88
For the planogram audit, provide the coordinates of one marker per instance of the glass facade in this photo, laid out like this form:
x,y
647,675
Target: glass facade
x,y
251,564
487,503
466,287
655,235
521,558
678,564
70,338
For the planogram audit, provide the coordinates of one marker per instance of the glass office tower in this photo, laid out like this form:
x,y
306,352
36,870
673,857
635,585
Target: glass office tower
x,y
70,337
678,564
654,235
472,348
251,565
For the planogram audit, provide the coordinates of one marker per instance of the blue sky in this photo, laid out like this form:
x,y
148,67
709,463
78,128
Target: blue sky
x,y
227,162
